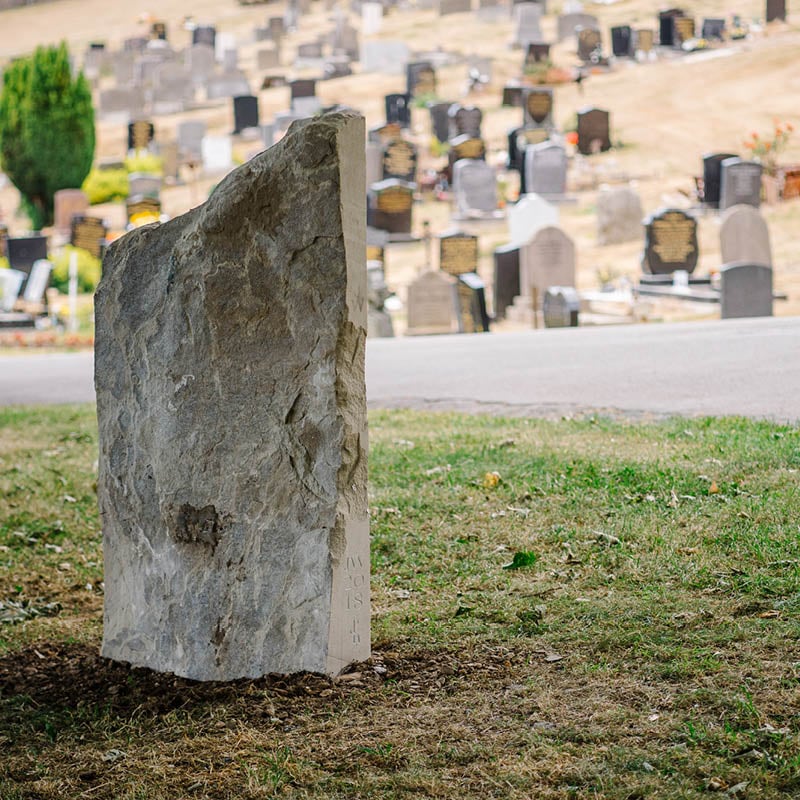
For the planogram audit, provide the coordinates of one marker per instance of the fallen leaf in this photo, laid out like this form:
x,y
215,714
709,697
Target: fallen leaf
x,y
713,489
68,498
606,538
773,613
522,559
673,499
438,470
736,790
552,658
491,479
716,785
114,755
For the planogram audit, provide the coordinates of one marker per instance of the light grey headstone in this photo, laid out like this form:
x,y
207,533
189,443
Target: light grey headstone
x,y
234,84
527,216
740,183
561,307
190,138
568,22
143,183
546,169
547,260
527,17
745,290
217,154
744,236
386,56
231,411
306,106
37,281
474,186
11,281
371,18
200,62
230,60
619,216
374,152
224,41
121,104
432,304
267,58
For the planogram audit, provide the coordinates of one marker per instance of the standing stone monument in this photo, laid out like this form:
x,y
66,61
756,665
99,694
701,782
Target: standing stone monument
x,y
433,304
546,169
458,253
506,277
712,175
744,236
594,134
475,188
547,260
229,368
529,215
740,183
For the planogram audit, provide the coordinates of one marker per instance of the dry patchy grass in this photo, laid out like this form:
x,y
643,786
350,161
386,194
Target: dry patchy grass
x,y
646,648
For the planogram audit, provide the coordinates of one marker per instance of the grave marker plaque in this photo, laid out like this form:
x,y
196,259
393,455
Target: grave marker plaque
x,y
158,30
433,304
467,146
590,44
622,40
791,183
645,40
670,242
140,134
547,260
390,205
776,9
23,251
745,290
744,237
666,26
465,120
506,277
475,187
245,113
458,253
713,28
204,34
142,207
88,233
420,78
546,169
538,108
561,307
400,161
473,316
712,176
398,109
440,120
683,30
537,53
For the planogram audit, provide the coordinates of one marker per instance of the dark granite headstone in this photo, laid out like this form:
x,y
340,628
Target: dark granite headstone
x,y
204,34
516,154
440,120
23,251
398,109
776,9
140,134
304,87
473,315
665,25
740,183
560,307
389,205
622,40
506,277
88,233
670,242
590,44
400,160
512,95
158,30
537,53
712,173
245,112
593,131
458,253
713,28
420,78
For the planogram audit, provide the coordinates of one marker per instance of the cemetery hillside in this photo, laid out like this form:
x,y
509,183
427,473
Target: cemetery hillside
x,y
301,496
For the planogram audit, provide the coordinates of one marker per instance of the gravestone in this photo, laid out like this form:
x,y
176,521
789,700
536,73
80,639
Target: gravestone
x,y
561,307
465,120
139,208
472,313
536,53
67,204
376,245
546,169
745,290
713,28
200,62
791,182
398,109
670,242
622,40
217,154
666,25
371,18
387,56
538,108
190,139
158,30
619,216
170,161
400,161
245,113
645,41
776,9
383,134
24,251
440,120
140,134
121,104
744,237
593,131
528,29
740,183
389,205
474,187
712,176
268,58
255,560
420,78
304,100
547,260
512,94
506,278
310,50
458,253
590,44
227,85
568,23
88,233
529,215
433,304
466,146
516,154
445,7
204,34
683,30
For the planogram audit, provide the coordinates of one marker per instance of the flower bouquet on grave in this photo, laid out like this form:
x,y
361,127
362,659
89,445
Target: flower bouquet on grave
x,y
765,150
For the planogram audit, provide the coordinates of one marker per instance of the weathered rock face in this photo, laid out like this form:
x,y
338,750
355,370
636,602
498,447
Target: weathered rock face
x,y
229,368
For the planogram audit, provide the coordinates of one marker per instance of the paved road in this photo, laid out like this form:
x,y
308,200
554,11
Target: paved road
x,y
746,367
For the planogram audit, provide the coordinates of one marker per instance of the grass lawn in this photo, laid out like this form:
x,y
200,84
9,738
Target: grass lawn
x,y
574,609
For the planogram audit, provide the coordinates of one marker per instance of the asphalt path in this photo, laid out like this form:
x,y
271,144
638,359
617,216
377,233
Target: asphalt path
x,y
740,367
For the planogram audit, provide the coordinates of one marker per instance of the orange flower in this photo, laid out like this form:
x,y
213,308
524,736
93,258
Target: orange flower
x,y
789,127
572,137
754,135
767,145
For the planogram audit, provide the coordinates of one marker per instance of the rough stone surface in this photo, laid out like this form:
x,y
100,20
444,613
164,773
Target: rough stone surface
x,y
619,216
229,370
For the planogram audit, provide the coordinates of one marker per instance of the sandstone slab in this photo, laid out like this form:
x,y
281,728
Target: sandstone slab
x,y
229,369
